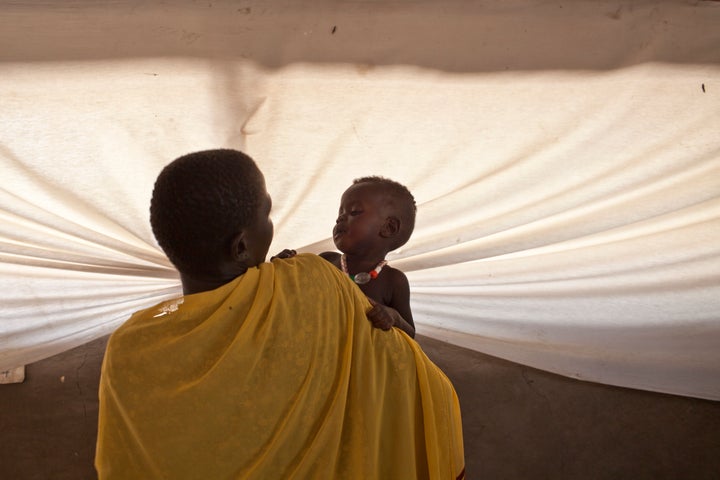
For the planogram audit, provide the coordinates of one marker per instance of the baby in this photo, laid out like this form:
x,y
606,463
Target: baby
x,y
376,216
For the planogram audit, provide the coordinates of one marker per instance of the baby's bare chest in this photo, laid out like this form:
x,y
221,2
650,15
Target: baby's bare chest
x,y
379,289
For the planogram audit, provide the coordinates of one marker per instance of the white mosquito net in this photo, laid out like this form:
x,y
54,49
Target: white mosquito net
x,y
565,158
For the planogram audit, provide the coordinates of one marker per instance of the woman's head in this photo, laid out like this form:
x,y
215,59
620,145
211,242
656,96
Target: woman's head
x,y
203,203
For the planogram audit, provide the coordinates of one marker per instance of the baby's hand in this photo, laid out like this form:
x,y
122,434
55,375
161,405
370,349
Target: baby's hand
x,y
287,253
380,316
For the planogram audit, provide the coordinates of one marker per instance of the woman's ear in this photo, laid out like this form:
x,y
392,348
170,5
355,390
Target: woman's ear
x,y
238,248
390,228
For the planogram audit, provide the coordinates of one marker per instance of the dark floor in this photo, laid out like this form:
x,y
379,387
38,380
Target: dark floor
x,y
519,423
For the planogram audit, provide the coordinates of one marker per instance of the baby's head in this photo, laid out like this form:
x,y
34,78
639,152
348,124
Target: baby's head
x,y
397,203
202,202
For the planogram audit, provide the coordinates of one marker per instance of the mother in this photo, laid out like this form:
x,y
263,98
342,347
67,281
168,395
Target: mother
x,y
262,370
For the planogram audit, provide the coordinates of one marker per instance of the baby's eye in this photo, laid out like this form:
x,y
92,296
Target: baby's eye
x,y
355,212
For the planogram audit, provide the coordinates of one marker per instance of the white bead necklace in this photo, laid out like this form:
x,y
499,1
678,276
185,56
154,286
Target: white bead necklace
x,y
362,277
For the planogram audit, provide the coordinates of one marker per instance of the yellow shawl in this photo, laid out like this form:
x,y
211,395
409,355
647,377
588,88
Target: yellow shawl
x,y
275,375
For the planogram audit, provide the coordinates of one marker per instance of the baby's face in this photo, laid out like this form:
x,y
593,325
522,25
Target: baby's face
x,y
360,219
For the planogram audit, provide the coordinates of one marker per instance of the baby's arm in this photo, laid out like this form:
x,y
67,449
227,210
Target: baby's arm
x,y
396,309
400,301
384,318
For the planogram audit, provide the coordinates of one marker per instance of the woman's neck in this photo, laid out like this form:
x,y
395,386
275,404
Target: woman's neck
x,y
198,283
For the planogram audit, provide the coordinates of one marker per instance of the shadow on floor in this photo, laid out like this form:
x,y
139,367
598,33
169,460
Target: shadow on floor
x,y
519,423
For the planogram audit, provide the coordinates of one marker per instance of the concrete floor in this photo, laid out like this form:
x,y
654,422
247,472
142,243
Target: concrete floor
x,y
519,423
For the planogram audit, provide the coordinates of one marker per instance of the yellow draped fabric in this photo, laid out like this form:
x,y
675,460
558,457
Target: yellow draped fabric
x,y
275,375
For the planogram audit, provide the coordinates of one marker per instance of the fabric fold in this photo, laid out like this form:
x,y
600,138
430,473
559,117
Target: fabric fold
x,y
277,374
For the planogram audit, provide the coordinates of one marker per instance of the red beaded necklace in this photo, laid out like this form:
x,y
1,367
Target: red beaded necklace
x,y
362,277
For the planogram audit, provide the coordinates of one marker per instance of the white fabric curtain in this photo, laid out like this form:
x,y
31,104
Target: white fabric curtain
x,y
565,159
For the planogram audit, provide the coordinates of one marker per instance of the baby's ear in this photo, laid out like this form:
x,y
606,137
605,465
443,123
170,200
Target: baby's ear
x,y
390,228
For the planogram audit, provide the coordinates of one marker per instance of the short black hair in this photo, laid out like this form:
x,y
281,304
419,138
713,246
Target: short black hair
x,y
200,202
400,199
